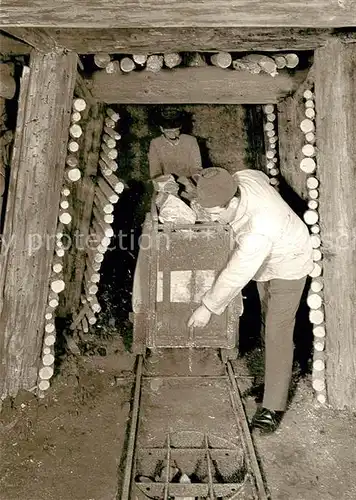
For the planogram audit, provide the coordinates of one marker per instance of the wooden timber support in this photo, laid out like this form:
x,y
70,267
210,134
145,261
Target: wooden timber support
x,y
37,169
335,93
196,85
150,13
82,196
11,46
158,40
35,38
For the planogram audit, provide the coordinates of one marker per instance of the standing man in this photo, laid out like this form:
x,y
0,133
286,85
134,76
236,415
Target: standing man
x,y
173,152
273,247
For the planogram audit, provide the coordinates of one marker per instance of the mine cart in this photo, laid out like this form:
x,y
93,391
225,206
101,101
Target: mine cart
x,y
177,264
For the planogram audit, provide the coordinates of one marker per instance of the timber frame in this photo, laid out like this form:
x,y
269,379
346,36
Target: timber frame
x,y
54,32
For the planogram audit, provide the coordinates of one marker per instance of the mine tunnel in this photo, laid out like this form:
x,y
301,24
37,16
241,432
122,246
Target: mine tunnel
x,y
77,197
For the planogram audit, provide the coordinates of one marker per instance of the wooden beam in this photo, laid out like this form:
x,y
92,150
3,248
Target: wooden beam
x,y
37,169
82,196
193,85
11,46
182,13
149,40
335,92
38,39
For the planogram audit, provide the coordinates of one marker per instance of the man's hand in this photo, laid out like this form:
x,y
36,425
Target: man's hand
x,y
200,317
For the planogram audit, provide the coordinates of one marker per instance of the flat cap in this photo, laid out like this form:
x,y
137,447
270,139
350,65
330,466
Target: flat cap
x,y
215,187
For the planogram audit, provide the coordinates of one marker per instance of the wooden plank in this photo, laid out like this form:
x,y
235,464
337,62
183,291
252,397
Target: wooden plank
x,y
82,196
10,46
36,38
149,40
193,85
82,90
336,140
255,152
31,218
182,13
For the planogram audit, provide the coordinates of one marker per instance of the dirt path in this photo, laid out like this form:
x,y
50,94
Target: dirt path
x,y
313,454
70,446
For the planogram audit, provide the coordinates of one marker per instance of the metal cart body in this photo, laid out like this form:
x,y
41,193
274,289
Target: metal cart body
x,y
177,264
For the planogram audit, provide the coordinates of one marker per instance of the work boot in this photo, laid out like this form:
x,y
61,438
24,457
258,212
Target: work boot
x,y
266,420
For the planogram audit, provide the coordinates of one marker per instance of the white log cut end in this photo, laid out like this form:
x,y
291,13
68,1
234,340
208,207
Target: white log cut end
x,y
307,126
316,317
318,384
313,194
172,60
316,285
310,137
49,340
315,229
57,286
317,271
75,131
101,60
292,60
154,63
65,218
43,385
312,182
319,345
308,150
314,301
319,331
113,115
308,165
308,94
46,372
127,65
79,105
280,61
310,113
221,59
76,117
140,59
73,146
315,241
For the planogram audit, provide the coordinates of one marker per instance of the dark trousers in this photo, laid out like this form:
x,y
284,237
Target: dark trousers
x,y
279,304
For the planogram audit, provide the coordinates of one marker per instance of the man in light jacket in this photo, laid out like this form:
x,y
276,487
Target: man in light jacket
x,y
273,247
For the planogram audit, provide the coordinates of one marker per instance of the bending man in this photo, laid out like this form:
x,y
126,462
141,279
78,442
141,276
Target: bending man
x,y
273,247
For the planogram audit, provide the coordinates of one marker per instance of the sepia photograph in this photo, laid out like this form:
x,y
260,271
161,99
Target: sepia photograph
x,y
177,250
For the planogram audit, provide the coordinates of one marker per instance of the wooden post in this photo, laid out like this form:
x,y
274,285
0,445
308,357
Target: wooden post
x,y
335,94
82,194
37,169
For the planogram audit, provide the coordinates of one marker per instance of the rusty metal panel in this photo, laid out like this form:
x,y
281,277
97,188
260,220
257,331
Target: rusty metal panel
x,y
183,262
187,262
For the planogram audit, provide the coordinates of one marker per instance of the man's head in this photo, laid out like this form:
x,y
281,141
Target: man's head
x,y
170,123
216,190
